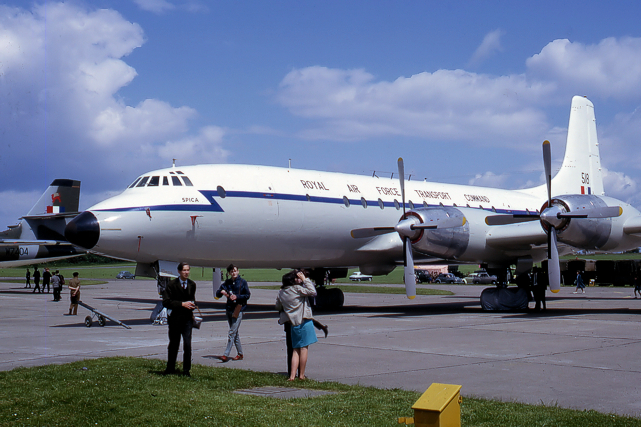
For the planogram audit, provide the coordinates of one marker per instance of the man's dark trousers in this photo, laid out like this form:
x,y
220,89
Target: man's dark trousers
x,y
177,328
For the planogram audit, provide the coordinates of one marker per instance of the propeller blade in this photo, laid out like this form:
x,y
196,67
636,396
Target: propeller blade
x,y
360,233
401,177
547,163
554,269
408,265
605,212
510,219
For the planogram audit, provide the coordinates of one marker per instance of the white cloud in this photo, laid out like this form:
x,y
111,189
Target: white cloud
x,y
490,179
611,68
155,6
206,147
446,104
491,44
61,67
621,186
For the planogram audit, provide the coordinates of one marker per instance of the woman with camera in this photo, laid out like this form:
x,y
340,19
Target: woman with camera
x,y
293,305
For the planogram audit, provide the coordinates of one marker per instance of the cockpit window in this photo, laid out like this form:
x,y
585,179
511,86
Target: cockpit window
x,y
154,181
175,181
165,181
143,181
187,182
134,183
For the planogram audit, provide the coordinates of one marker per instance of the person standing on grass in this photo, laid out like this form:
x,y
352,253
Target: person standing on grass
x,y
28,279
179,298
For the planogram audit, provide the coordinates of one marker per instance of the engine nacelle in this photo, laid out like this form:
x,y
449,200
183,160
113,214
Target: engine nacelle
x,y
450,240
583,233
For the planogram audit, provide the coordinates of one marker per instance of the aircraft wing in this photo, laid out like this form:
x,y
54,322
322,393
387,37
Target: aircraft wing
x,y
19,242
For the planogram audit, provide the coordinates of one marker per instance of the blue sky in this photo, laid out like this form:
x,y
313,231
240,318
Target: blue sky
x,y
466,92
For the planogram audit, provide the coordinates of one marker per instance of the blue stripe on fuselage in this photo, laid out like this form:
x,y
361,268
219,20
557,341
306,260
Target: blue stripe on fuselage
x,y
214,206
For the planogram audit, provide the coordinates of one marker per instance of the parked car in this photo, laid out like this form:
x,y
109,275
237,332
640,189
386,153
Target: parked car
x,y
359,277
125,275
484,277
423,276
448,278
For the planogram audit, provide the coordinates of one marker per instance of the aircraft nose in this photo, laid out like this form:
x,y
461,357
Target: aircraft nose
x,y
83,230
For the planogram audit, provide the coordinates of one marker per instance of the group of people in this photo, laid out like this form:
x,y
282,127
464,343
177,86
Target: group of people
x,y
179,298
54,282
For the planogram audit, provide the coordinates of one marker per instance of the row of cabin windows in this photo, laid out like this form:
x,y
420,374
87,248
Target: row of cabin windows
x,y
154,181
397,204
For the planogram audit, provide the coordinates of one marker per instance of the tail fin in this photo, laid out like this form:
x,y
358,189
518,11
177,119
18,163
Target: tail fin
x,y
62,196
580,172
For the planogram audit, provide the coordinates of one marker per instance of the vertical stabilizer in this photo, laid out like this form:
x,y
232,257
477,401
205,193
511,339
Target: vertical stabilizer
x,y
62,196
580,172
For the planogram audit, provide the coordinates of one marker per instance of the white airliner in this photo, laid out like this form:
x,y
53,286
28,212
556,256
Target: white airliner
x,y
269,217
39,236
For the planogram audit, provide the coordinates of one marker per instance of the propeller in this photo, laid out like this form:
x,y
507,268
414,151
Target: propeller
x,y
408,257
408,228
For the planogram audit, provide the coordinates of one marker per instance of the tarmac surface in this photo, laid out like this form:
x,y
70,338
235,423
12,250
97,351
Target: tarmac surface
x,y
582,352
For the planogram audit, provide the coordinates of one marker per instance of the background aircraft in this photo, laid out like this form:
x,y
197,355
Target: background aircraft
x,y
39,236
256,216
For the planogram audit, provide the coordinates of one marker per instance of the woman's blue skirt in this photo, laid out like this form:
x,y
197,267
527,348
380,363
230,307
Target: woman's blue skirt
x,y
303,334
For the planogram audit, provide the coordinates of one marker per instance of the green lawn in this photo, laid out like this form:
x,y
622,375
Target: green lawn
x,y
131,392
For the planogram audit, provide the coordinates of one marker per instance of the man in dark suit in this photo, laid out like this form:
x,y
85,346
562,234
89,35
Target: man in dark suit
x,y
179,297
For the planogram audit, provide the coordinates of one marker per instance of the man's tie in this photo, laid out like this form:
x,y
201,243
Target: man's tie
x,y
184,285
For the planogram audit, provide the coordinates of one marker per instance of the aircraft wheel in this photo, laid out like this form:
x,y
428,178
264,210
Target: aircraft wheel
x,y
101,321
88,321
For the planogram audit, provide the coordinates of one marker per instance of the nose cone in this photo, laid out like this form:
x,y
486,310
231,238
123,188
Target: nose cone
x,y
83,230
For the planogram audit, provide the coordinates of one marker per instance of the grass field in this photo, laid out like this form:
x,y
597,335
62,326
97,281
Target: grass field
x,y
132,392
109,271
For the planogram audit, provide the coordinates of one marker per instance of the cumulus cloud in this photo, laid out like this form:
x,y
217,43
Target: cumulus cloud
x,y
61,67
445,104
491,44
611,68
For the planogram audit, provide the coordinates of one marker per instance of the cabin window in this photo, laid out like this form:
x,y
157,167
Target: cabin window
x,y
143,181
165,180
346,201
396,204
187,182
364,202
175,181
221,192
154,181
134,183
425,204
411,205
309,199
179,173
381,204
